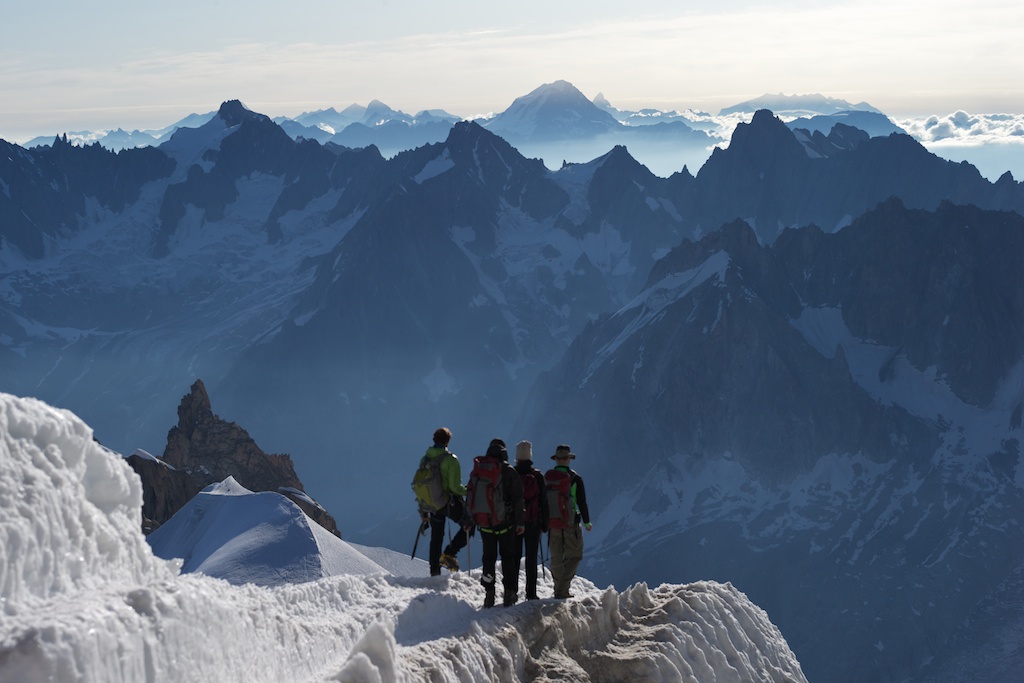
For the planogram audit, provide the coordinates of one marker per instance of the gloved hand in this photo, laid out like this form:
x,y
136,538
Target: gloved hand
x,y
589,526
520,530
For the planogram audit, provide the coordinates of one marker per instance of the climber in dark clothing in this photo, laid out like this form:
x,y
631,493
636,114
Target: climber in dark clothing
x,y
497,536
535,501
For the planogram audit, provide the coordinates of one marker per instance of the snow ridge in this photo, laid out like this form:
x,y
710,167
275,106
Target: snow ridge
x,y
84,599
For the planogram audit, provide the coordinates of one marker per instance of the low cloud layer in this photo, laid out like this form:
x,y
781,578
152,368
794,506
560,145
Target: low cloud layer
x,y
965,127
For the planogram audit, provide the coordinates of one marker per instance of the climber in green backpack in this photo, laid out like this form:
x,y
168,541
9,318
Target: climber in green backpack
x,y
440,496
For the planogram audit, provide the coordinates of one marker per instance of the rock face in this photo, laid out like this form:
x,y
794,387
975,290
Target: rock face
x,y
831,422
203,449
164,490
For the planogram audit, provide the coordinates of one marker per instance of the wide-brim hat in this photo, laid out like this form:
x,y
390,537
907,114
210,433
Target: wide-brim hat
x,y
563,451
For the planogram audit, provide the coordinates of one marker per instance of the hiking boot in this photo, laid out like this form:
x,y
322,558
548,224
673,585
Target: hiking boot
x,y
450,562
510,599
489,599
532,597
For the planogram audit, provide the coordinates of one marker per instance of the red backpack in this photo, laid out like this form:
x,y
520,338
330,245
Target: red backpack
x,y
531,495
486,499
560,507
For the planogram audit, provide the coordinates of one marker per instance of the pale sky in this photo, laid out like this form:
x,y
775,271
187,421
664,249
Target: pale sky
x,y
84,65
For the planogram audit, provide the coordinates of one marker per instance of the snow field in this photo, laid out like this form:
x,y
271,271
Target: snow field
x,y
85,599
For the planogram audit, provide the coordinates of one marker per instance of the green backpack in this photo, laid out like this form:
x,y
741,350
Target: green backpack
x,y
428,486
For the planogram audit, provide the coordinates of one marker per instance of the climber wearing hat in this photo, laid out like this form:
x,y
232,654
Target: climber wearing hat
x,y
567,507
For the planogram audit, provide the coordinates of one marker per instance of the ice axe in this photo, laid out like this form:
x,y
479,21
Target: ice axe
x,y
419,532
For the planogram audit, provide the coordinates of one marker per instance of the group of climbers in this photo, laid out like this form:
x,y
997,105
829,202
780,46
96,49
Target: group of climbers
x,y
511,506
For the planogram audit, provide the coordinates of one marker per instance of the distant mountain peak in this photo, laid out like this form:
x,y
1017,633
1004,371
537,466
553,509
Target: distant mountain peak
x,y
619,156
764,137
233,112
558,86
797,105
377,105
561,93
465,130
469,135
552,111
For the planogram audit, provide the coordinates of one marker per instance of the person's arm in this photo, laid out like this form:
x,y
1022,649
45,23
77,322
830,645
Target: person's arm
x,y
451,475
581,502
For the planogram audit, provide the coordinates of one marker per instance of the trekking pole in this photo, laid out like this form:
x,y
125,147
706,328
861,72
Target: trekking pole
x,y
419,532
543,562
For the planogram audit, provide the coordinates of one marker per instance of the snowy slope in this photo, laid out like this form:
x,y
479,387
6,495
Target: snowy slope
x,y
230,532
84,599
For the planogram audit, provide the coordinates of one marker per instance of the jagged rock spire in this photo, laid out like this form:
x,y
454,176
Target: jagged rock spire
x,y
209,449
194,407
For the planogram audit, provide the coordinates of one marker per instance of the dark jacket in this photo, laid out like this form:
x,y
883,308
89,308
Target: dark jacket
x,y
525,468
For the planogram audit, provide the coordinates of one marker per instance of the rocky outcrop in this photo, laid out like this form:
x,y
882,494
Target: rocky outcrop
x,y
164,489
203,449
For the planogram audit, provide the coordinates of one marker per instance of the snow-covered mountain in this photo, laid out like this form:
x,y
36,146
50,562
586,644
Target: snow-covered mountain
x,y
342,306
239,253
552,111
875,124
118,139
831,422
389,130
988,141
84,597
557,123
798,105
439,282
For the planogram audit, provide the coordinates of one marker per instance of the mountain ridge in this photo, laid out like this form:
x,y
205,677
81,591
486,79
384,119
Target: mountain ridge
x,y
811,397
377,298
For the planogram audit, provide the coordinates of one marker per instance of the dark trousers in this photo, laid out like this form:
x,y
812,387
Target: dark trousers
x,y
437,520
531,541
505,545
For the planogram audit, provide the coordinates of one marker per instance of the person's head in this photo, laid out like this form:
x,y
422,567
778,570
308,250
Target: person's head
x,y
496,449
442,436
524,451
563,454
